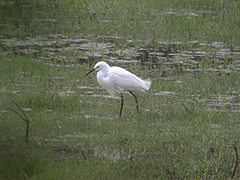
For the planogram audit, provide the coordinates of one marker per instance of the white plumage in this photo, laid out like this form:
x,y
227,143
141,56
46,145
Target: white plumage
x,y
117,80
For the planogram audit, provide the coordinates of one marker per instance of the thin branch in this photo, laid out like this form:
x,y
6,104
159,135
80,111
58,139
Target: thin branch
x,y
20,109
16,112
236,161
172,174
23,116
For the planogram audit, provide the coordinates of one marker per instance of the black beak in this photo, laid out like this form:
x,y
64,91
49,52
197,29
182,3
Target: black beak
x,y
90,72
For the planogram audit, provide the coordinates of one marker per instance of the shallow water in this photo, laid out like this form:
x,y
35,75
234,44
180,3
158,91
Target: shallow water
x,y
232,102
158,58
186,56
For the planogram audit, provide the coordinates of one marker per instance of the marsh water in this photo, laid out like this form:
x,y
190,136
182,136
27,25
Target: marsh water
x,y
159,57
183,56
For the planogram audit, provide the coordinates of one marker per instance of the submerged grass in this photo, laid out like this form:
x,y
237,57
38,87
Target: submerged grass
x,y
187,123
148,21
75,135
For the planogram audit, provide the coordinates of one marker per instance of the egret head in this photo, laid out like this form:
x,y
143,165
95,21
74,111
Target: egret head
x,y
99,66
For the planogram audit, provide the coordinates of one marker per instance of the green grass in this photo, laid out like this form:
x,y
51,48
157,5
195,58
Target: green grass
x,y
188,121
77,136
149,21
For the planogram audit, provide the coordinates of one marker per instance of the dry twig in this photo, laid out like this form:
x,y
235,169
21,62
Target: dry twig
x,y
23,116
236,161
171,173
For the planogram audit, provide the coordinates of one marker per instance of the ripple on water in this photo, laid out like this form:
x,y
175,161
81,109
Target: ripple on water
x,y
64,48
185,56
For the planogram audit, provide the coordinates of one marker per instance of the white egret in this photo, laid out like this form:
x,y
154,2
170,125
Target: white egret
x,y
117,80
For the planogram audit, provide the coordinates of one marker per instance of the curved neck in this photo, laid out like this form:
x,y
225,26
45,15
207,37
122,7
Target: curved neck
x,y
103,71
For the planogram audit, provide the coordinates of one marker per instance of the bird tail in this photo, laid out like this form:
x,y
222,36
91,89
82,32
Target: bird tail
x,y
146,84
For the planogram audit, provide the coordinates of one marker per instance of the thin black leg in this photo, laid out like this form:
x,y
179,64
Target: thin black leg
x,y
134,98
121,105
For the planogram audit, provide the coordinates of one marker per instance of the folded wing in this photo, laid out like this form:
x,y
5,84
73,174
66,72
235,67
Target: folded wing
x,y
127,81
